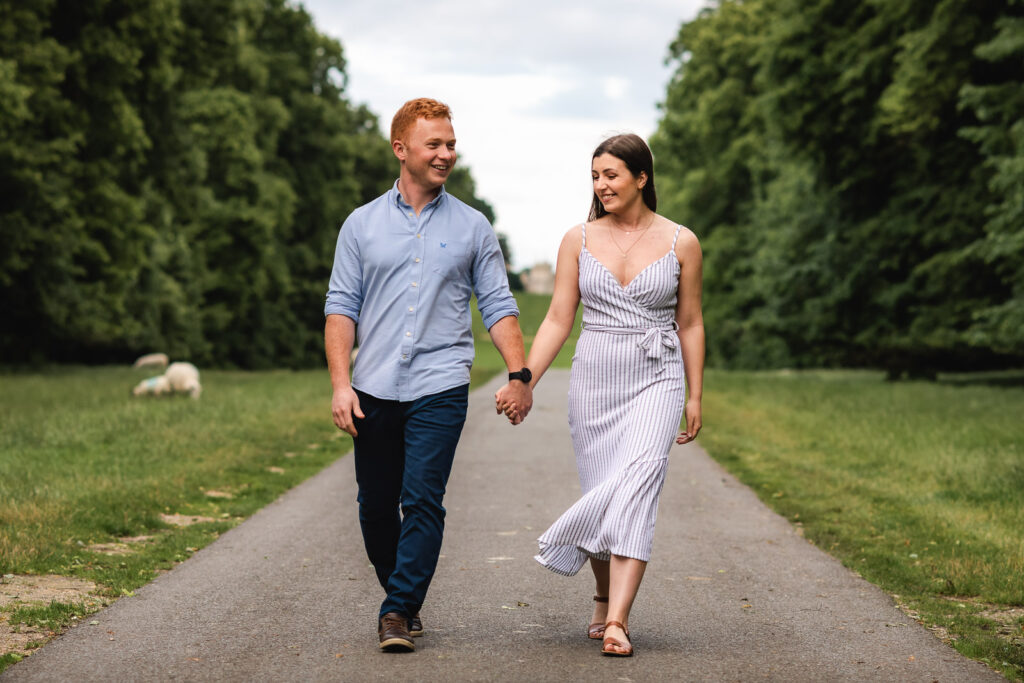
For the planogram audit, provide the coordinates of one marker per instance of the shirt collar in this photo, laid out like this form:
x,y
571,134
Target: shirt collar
x,y
400,202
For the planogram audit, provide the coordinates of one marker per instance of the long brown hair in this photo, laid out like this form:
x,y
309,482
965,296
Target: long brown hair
x,y
635,153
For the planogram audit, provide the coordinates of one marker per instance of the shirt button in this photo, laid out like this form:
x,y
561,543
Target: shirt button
x,y
414,284
419,236
417,259
408,334
410,309
410,214
404,357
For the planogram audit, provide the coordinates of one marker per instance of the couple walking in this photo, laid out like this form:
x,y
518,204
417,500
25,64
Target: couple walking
x,y
405,268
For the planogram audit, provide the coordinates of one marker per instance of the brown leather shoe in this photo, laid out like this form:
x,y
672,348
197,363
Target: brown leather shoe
x,y
393,629
416,627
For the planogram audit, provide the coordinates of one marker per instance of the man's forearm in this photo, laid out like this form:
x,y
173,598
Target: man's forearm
x,y
339,337
508,339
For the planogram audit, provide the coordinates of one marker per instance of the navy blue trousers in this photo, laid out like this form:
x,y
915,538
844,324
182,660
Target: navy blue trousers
x,y
404,454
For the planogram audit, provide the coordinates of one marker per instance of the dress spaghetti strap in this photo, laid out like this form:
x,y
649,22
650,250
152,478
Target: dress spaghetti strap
x,y
584,227
676,238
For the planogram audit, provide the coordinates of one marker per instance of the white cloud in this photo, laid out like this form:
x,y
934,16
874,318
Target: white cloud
x,y
534,87
615,88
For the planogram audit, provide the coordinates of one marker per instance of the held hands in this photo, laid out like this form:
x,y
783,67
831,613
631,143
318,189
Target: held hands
x,y
345,408
692,414
515,400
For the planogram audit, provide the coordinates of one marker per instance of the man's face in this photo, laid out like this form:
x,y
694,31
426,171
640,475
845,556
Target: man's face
x,y
428,152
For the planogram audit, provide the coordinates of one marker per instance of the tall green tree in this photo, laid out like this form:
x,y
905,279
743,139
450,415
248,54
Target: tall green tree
x,y
995,95
847,224
711,155
173,177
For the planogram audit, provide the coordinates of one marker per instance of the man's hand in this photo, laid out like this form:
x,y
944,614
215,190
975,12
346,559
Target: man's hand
x,y
515,400
345,408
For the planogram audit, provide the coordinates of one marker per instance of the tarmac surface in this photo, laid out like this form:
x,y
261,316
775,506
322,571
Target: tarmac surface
x,y
732,592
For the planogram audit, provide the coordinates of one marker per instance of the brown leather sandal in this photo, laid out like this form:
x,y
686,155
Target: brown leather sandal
x,y
609,641
596,630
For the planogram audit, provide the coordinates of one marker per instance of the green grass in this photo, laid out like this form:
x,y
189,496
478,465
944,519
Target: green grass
x,y
917,486
9,658
55,616
532,308
83,463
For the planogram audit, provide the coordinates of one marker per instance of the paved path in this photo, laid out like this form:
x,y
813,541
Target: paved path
x,y
731,594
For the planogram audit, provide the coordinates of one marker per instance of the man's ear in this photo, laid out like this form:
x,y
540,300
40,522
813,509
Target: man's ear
x,y
398,147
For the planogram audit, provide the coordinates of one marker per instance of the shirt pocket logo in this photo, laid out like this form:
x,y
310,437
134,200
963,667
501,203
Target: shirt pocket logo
x,y
450,260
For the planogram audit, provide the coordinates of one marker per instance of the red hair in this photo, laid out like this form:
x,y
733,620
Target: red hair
x,y
420,108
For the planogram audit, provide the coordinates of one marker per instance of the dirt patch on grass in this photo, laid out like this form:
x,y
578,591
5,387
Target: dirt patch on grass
x,y
18,590
1006,616
1009,619
109,548
185,520
20,640
943,634
136,539
43,589
123,546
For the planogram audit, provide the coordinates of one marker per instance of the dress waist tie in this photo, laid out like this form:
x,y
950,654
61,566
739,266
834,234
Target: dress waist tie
x,y
654,339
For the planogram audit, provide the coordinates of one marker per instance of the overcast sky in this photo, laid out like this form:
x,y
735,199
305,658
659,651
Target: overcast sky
x,y
533,85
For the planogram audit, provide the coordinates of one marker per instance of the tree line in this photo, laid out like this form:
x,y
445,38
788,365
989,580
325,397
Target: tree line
x,y
855,171
173,174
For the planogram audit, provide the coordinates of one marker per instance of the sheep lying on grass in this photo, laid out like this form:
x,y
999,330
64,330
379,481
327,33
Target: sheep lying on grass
x,y
180,378
152,360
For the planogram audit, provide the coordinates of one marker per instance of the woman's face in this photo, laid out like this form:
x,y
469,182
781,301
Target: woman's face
x,y
614,185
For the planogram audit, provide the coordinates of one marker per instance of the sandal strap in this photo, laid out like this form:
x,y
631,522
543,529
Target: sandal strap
x,y
616,623
598,598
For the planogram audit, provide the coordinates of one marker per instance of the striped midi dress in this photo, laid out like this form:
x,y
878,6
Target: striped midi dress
x,y
626,395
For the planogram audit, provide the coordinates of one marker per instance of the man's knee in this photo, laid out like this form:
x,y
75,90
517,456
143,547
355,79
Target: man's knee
x,y
378,508
426,505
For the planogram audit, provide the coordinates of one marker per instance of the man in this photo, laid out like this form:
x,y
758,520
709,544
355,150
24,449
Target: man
x,y
405,267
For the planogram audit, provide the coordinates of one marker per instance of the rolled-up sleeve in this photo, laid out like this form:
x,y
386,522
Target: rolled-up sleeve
x,y
345,293
490,281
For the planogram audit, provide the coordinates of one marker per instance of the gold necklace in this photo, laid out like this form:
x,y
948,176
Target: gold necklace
x,y
649,224
643,231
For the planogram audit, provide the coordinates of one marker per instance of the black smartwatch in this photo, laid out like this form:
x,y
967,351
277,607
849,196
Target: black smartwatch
x,y
523,376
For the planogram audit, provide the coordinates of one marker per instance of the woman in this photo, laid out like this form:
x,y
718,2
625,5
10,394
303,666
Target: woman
x,y
639,277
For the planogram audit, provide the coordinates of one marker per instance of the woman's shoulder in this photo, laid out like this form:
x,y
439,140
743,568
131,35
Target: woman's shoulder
x,y
572,241
574,234
687,244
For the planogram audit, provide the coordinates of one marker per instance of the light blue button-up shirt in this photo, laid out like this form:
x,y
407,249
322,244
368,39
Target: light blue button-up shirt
x,y
406,281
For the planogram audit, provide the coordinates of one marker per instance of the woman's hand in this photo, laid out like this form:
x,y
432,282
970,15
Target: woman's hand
x,y
692,414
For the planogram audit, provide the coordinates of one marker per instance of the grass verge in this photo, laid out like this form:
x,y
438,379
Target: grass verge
x,y
96,485
917,486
